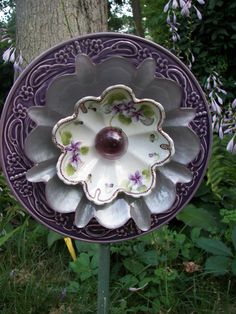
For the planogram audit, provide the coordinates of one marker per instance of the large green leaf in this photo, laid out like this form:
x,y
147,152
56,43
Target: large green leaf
x,y
234,266
197,217
234,237
217,265
214,246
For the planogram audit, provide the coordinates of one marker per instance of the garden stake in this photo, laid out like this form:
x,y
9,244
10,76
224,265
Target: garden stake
x,y
103,279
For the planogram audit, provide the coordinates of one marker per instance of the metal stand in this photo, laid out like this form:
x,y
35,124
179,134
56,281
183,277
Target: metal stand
x,y
103,279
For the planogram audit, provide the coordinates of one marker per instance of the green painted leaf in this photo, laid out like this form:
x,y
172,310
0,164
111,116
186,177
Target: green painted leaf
x,y
146,173
66,137
217,265
142,188
214,246
147,111
70,170
123,119
116,96
125,185
84,150
197,217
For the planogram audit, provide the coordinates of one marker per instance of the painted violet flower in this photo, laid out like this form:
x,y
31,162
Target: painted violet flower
x,y
131,117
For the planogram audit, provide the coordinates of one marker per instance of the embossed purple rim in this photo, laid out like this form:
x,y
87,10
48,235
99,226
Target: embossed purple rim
x,y
112,44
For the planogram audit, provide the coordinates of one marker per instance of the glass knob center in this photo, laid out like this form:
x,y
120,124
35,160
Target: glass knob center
x,y
111,143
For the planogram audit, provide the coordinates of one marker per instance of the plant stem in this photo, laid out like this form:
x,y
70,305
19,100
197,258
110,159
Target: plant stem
x,y
103,279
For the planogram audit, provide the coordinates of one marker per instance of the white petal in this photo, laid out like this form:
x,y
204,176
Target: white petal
x,y
114,71
162,196
230,145
175,4
143,76
113,215
187,144
84,213
42,116
175,172
85,69
140,214
179,117
62,198
166,7
39,146
42,172
199,15
167,92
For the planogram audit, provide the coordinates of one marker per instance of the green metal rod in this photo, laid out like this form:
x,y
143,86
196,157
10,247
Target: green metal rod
x,y
103,279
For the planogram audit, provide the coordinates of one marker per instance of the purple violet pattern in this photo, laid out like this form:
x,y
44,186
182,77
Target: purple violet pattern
x,y
136,115
74,148
75,159
136,178
128,110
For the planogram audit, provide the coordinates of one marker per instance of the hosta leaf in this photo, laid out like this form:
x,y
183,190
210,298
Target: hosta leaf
x,y
234,266
217,265
234,237
214,246
197,217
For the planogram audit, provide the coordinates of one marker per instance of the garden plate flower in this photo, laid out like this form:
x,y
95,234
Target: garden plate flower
x,y
102,150
91,80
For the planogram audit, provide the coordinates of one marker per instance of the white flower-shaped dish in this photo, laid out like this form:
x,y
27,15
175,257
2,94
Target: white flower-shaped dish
x,y
111,144
91,80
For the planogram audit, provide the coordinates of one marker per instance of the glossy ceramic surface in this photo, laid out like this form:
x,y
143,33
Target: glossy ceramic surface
x,y
47,92
101,135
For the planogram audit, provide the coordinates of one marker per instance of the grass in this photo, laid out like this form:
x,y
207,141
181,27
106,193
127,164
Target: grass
x,y
35,279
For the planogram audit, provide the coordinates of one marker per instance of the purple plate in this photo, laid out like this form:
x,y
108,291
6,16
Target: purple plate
x,y
30,90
